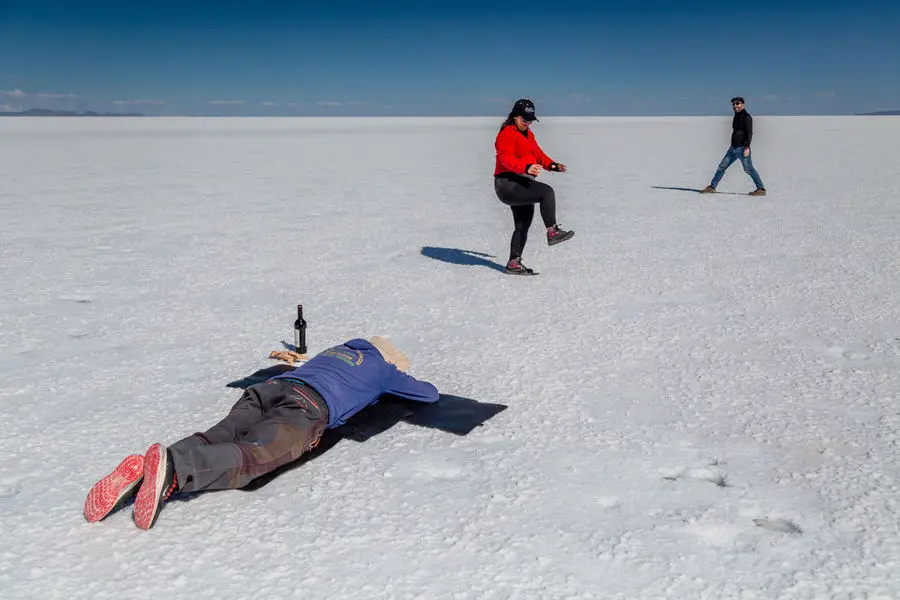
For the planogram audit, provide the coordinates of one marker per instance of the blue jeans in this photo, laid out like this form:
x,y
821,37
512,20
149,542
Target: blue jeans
x,y
731,155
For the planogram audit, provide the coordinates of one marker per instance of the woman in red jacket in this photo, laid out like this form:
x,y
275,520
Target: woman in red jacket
x,y
519,161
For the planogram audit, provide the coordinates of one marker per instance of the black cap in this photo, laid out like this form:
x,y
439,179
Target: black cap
x,y
737,99
524,108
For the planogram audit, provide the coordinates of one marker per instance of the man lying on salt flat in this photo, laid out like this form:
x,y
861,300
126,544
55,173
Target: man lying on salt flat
x,y
272,424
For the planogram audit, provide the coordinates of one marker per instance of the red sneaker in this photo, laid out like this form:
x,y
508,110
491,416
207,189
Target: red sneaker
x,y
159,483
515,267
555,235
114,490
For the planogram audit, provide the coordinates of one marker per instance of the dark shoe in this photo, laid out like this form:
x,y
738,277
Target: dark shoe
x,y
708,190
758,192
555,235
115,490
159,483
515,267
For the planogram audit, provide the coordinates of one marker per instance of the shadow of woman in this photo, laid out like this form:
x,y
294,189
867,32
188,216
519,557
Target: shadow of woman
x,y
462,257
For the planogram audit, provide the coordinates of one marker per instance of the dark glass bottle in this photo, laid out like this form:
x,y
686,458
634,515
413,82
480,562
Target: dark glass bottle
x,y
300,331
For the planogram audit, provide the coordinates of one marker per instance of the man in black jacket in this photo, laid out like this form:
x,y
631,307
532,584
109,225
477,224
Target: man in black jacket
x,y
742,133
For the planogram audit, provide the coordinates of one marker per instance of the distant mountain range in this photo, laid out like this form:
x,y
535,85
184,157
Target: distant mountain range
x,y
881,113
44,112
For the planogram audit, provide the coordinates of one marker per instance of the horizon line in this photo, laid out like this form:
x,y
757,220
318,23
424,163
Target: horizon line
x,y
88,114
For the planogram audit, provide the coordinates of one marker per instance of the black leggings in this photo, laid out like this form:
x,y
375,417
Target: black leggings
x,y
521,194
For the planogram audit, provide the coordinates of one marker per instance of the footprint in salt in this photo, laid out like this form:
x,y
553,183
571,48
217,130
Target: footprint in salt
x,y
80,299
711,473
778,525
9,487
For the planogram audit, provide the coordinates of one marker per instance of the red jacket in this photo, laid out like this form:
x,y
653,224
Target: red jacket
x,y
515,152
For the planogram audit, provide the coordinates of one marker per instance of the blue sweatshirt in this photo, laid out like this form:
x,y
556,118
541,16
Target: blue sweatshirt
x,y
353,376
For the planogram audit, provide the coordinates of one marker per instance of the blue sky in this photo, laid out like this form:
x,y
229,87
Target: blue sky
x,y
638,57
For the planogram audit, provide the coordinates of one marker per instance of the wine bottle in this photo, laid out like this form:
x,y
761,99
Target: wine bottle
x,y
300,331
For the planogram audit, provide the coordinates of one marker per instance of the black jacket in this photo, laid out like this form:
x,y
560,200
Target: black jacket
x,y
742,124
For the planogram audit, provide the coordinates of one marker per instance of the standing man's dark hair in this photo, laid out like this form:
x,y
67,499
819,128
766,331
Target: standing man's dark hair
x,y
741,136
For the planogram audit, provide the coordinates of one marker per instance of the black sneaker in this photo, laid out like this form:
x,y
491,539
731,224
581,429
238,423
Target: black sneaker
x,y
555,235
515,267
